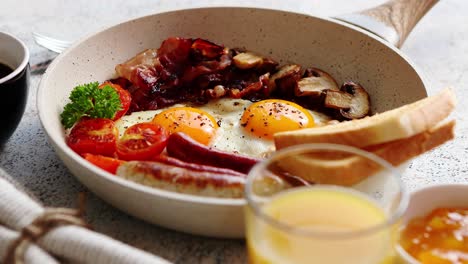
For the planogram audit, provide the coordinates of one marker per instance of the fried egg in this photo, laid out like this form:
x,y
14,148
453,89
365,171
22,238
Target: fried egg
x,y
233,125
199,124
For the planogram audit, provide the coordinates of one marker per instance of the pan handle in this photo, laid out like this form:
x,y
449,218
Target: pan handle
x,y
393,20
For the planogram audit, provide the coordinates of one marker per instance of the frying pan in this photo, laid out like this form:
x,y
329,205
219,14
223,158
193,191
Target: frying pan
x,y
344,49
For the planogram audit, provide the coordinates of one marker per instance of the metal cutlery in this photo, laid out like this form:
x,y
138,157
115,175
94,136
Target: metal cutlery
x,y
53,44
50,43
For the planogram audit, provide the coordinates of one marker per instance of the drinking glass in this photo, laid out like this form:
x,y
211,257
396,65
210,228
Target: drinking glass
x,y
323,203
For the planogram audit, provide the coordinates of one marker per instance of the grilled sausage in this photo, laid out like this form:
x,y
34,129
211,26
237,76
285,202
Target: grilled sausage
x,y
196,167
183,147
182,180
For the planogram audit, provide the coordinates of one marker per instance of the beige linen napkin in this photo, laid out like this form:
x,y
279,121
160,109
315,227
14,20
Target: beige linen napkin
x,y
34,254
72,243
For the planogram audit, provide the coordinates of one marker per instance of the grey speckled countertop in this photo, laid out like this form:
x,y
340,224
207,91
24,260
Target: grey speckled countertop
x,y
438,46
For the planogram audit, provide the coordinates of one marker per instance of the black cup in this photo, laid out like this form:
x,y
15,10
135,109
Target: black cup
x,y
14,86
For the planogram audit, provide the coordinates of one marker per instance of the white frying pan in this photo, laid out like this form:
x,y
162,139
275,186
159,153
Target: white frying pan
x,y
347,52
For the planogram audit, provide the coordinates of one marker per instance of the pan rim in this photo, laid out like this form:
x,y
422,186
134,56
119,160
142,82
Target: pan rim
x,y
59,143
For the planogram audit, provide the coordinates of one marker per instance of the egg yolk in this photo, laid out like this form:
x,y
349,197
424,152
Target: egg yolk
x,y
196,123
267,117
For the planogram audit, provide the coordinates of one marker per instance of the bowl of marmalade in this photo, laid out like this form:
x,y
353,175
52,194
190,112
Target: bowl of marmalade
x,y
435,227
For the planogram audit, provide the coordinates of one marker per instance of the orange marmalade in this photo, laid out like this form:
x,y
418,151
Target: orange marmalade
x,y
439,238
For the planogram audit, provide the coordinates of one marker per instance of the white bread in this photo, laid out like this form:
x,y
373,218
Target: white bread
x,y
399,123
353,169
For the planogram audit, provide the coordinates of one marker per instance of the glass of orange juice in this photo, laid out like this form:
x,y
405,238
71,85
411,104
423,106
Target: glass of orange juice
x,y
323,203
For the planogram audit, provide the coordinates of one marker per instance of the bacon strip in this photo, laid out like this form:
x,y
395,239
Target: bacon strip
x,y
140,70
188,70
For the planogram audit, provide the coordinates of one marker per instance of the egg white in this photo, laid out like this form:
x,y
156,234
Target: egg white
x,y
230,135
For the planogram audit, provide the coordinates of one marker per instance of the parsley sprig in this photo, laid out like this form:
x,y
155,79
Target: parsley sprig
x,y
92,101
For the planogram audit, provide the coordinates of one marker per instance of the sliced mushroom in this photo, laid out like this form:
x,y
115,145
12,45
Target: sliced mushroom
x,y
315,83
267,65
312,72
352,100
247,60
360,104
285,79
338,100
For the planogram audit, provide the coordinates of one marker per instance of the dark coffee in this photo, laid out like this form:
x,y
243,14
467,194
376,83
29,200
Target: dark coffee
x,y
14,84
5,70
14,94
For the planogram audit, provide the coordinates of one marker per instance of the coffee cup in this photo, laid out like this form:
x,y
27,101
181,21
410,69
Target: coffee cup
x,y
14,83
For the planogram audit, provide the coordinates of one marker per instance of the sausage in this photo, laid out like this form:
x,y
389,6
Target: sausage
x,y
182,180
183,147
196,167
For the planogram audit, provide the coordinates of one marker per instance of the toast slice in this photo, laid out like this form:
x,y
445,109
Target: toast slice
x,y
399,123
349,170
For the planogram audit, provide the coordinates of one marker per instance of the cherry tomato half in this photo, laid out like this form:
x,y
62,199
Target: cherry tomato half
x,y
125,98
142,141
93,135
103,162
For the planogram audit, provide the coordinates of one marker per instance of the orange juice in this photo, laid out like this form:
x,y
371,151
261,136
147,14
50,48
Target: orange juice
x,y
323,220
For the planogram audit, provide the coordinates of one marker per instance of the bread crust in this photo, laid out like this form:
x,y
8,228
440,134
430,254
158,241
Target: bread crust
x,y
351,170
399,123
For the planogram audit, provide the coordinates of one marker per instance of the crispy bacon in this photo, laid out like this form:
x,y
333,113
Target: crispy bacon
x,y
206,68
174,54
140,69
260,86
188,70
205,49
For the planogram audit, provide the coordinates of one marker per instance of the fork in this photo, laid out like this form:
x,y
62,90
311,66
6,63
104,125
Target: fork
x,y
49,43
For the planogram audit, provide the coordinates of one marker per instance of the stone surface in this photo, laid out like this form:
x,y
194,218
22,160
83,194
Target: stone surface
x,y
438,46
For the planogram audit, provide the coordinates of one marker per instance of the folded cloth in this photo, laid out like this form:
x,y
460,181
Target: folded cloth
x,y
19,212
34,254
